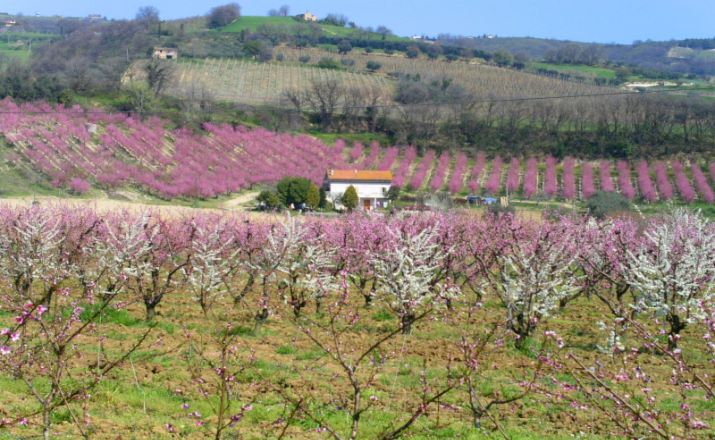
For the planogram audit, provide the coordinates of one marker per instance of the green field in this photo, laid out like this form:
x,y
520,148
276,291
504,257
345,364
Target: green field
x,y
252,23
9,51
578,69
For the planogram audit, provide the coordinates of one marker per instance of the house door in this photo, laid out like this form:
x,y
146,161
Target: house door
x,y
367,204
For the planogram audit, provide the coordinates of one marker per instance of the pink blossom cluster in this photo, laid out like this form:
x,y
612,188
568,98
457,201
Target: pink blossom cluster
x,y
587,187
605,176
701,183
550,183
530,177
494,182
422,169
645,183
624,179
479,164
388,159
569,179
440,172
403,170
460,167
371,159
356,152
665,188
685,189
512,177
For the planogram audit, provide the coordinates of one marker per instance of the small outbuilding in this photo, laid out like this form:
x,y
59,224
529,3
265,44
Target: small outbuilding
x,y
308,16
165,53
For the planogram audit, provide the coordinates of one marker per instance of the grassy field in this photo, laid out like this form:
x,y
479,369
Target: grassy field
x,y
252,23
576,69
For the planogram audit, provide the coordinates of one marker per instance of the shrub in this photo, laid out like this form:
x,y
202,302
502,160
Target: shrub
x,y
294,190
269,199
328,63
602,204
344,47
373,66
304,59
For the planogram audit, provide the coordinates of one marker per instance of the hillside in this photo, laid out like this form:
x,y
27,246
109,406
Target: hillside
x,y
676,57
292,26
251,82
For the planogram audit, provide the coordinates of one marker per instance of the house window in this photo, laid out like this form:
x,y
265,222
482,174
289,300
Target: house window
x,y
384,190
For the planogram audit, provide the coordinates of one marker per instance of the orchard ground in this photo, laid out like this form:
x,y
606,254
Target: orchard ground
x,y
140,400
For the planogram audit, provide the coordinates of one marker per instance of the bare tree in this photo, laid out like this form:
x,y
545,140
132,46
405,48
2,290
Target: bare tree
x,y
147,16
323,99
158,75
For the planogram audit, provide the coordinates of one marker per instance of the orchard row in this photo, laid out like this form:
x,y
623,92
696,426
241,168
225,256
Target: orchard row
x,y
78,150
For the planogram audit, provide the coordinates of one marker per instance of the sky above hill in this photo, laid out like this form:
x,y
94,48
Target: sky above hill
x,y
620,21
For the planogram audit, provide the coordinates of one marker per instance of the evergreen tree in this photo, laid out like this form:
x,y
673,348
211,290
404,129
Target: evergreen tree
x,y
350,198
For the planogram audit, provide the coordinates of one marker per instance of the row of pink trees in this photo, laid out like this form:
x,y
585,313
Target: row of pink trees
x,y
77,150
460,167
531,178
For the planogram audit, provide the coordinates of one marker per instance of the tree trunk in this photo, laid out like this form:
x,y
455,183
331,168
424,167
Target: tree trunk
x,y
676,326
46,423
407,320
150,311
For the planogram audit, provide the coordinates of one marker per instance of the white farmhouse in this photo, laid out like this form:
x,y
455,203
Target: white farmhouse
x,y
371,186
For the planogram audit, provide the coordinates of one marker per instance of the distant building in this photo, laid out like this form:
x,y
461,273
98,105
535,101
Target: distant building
x,y
371,186
9,23
165,53
95,17
308,16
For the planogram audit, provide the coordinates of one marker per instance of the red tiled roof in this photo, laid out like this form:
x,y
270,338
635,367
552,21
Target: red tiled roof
x,y
360,175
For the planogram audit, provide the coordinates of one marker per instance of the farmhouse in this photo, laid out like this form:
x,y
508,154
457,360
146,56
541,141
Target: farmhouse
x,y
165,53
308,16
371,186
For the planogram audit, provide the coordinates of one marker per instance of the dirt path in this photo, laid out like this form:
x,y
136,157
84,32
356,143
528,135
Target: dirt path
x,y
240,203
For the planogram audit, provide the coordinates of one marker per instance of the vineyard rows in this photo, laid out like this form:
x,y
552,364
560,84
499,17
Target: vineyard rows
x,y
250,82
483,80
77,150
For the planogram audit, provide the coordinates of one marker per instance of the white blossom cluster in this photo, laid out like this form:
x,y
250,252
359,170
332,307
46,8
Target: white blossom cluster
x,y
33,252
123,254
206,274
533,281
310,268
406,274
674,271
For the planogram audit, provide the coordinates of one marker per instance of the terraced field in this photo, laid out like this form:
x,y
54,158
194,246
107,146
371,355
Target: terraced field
x,y
255,83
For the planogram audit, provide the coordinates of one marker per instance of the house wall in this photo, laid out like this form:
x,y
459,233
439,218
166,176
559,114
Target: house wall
x,y
377,190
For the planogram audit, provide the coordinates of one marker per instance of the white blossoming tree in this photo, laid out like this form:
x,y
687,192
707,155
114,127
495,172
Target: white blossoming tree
x,y
309,272
674,270
208,268
533,278
409,274
281,242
